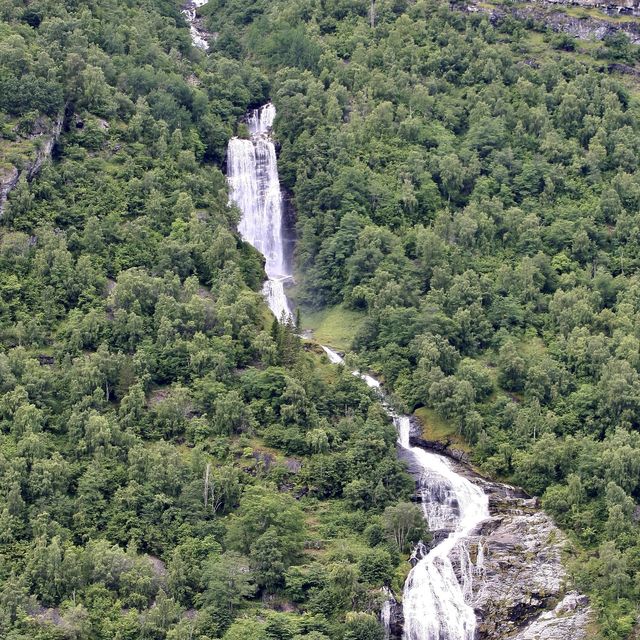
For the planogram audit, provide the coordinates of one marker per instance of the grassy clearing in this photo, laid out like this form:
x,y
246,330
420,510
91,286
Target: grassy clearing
x,y
334,326
532,347
437,428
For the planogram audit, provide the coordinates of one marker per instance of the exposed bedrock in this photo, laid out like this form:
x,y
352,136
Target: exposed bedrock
x,y
47,134
583,27
520,589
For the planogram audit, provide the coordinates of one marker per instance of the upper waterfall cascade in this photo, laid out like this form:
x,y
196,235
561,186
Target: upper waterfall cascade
x,y
435,600
190,13
252,171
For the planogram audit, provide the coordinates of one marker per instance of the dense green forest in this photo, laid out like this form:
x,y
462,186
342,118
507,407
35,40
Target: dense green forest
x,y
175,465
474,189
172,463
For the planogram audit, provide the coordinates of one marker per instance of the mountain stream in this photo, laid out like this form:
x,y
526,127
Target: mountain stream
x,y
435,598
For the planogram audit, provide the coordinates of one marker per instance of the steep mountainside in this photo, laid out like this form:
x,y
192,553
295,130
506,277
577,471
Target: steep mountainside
x,y
467,197
175,463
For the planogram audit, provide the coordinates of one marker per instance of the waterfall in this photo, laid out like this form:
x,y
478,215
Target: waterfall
x,y
434,600
385,612
190,13
252,172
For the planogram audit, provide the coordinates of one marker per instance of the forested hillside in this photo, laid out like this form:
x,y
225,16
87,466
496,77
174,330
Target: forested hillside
x,y
172,463
473,190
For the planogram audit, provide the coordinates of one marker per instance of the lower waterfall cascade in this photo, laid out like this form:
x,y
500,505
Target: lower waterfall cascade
x,y
435,600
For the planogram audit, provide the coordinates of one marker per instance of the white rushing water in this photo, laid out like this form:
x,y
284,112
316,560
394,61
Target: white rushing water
x,y
252,171
190,13
435,603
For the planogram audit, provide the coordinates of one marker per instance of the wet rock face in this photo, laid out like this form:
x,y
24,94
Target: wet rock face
x,y
521,589
391,616
521,574
569,620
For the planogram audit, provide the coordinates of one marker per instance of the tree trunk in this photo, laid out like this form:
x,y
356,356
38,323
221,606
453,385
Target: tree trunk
x,y
206,484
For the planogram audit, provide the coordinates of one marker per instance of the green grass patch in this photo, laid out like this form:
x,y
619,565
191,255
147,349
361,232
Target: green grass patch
x,y
583,13
333,326
532,347
436,428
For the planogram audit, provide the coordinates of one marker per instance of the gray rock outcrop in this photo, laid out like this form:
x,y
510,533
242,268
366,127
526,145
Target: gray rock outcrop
x,y
47,136
520,588
569,620
8,180
610,7
583,28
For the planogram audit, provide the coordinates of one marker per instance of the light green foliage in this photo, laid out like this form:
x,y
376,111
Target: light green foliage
x,y
404,525
362,626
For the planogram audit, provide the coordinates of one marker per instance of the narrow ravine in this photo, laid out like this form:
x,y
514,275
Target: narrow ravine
x,y
434,599
492,572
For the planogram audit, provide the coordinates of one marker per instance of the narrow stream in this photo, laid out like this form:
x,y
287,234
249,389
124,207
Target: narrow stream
x,y
190,10
435,596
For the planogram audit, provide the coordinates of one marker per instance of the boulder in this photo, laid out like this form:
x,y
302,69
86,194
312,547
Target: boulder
x,y
569,620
